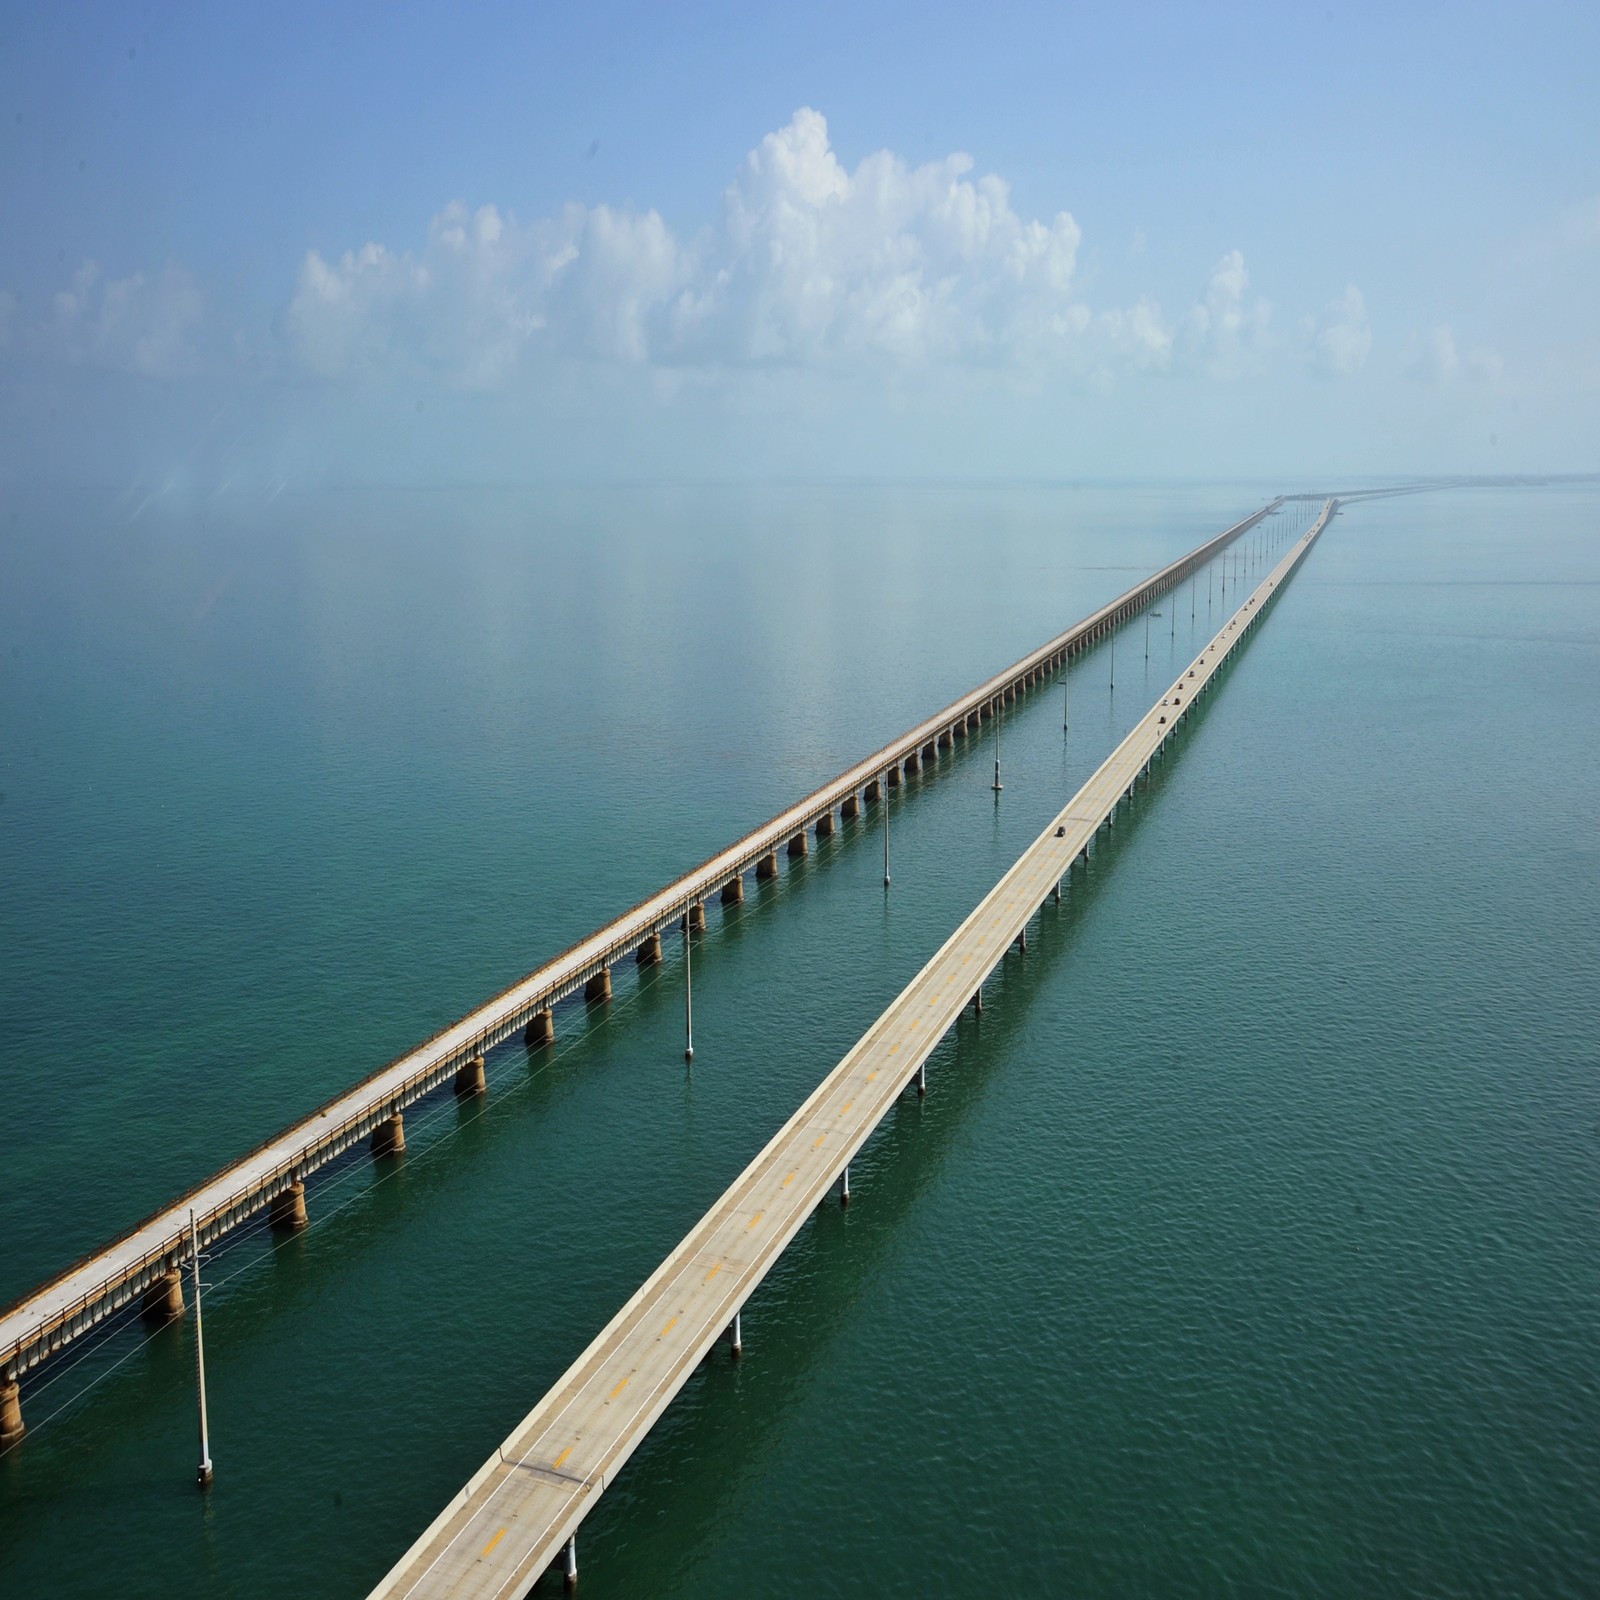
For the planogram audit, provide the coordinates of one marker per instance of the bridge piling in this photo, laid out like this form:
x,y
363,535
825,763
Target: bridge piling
x,y
851,809
389,1137
733,891
597,991
649,953
288,1213
12,1427
569,1564
541,1029
163,1300
697,916
736,1336
471,1079
844,1186
798,845
767,866
825,824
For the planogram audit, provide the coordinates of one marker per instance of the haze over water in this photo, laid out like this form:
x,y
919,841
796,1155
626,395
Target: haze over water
x,y
1246,1241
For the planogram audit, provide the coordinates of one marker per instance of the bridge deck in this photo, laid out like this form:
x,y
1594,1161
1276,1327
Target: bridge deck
x,y
94,1288
504,1529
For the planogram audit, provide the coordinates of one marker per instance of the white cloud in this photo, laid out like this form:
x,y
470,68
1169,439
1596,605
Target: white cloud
x,y
134,324
809,264
1434,358
1226,329
1338,338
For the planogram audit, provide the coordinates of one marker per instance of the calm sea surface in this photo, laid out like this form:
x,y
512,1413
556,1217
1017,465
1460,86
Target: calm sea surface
x,y
1249,1243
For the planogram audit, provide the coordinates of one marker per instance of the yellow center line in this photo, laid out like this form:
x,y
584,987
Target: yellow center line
x,y
847,1105
662,1335
871,1075
790,1179
820,1138
492,1543
713,1272
755,1219
620,1387
560,1460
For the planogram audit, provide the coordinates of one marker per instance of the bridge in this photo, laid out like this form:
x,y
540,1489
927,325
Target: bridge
x,y
143,1263
519,1513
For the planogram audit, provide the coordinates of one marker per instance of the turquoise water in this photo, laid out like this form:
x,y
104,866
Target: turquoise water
x,y
1247,1241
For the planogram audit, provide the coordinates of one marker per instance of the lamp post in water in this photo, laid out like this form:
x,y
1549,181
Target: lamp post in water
x,y
204,1475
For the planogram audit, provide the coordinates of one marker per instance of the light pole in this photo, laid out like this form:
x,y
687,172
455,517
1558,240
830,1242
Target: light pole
x,y
204,1476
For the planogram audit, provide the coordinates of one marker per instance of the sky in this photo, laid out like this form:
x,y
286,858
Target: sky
x,y
252,246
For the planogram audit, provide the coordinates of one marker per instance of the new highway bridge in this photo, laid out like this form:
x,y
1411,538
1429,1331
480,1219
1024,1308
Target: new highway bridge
x,y
518,1514
144,1263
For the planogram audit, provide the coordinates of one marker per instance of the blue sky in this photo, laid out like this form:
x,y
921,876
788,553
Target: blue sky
x,y
325,244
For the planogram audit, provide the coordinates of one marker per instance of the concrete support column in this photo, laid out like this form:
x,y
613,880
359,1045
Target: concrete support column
x,y
767,866
289,1209
1022,939
163,1300
825,825
389,1137
697,923
733,892
977,1000
649,953
874,792
541,1029
11,1425
930,753
597,991
471,1078
798,845
913,764
844,1187
922,1079
892,777
850,809
947,739
569,1564
736,1336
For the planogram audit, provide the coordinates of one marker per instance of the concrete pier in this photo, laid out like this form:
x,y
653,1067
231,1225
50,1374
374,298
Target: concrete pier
x,y
913,764
163,1300
11,1425
892,777
389,1138
697,916
874,791
825,825
471,1078
733,892
541,1030
288,1213
649,953
851,808
597,991
767,866
799,845
947,739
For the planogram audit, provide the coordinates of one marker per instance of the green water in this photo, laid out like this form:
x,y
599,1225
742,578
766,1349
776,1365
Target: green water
x,y
1247,1243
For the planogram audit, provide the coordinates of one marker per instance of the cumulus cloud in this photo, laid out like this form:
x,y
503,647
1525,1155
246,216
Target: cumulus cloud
x,y
147,325
1338,339
809,263
1434,358
1226,328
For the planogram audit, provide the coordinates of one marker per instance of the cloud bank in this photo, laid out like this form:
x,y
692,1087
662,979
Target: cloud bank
x,y
808,265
